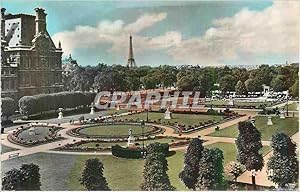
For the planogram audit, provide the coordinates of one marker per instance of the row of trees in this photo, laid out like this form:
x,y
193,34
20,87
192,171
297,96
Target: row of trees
x,y
117,77
27,178
46,102
203,168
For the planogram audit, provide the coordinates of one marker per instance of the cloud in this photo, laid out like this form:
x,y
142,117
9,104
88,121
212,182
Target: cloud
x,y
275,30
116,33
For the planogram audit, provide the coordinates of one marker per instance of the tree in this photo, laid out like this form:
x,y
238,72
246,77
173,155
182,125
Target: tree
x,y
283,163
12,180
248,146
227,83
278,84
253,85
31,177
211,170
92,176
234,169
190,172
27,178
8,106
240,88
294,90
155,170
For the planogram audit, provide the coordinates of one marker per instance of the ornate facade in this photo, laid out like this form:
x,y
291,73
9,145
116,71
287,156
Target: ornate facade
x,y
30,62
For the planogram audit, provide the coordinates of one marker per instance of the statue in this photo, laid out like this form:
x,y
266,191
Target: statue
x,y
60,113
281,115
168,114
131,139
92,108
269,121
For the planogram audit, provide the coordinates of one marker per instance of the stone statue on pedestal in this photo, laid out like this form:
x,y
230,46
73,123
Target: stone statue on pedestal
x,y
269,121
92,108
60,113
131,139
282,114
168,114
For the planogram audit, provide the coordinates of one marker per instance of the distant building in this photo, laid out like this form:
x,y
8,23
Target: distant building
x,y
30,62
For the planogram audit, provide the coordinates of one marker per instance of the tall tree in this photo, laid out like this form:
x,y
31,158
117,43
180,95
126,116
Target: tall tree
x,y
283,162
92,176
249,145
227,83
211,170
294,90
253,85
190,172
12,180
278,84
155,170
31,177
234,169
240,88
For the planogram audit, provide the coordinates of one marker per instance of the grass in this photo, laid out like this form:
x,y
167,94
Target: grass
x,y
288,126
101,144
115,111
113,130
291,107
5,149
125,174
40,133
230,153
187,119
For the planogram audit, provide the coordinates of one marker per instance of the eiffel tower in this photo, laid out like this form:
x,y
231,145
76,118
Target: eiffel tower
x,y
131,62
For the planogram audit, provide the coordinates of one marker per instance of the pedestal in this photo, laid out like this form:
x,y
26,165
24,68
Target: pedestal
x,y
130,141
168,115
60,115
118,108
269,121
92,110
231,102
282,115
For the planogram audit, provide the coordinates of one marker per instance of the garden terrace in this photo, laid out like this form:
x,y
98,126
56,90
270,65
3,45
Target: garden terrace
x,y
33,135
114,130
288,126
240,104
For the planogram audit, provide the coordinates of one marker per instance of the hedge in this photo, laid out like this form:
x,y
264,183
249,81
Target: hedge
x,y
119,151
29,105
8,106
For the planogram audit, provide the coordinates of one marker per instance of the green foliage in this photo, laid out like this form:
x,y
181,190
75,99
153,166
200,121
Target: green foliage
x,y
211,170
227,83
253,85
248,145
45,102
155,170
283,162
278,84
190,172
92,176
234,169
31,177
27,178
8,106
240,88
294,90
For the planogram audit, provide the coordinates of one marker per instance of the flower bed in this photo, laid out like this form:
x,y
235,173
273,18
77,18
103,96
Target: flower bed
x,y
52,136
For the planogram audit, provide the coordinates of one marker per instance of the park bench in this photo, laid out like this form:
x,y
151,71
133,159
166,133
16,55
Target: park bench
x,y
14,155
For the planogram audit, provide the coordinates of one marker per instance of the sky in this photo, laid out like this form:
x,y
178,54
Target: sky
x,y
205,33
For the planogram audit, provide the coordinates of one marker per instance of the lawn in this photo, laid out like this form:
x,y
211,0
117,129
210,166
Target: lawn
x,y
114,130
187,119
125,174
230,152
115,111
101,144
5,149
40,134
291,107
288,126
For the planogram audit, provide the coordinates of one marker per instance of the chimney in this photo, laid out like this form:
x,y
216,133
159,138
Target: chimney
x,y
40,21
3,23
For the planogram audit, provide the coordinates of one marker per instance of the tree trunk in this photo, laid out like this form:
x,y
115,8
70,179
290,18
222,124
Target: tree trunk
x,y
253,182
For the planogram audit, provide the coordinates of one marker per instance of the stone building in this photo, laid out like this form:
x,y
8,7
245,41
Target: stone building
x,y
30,62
